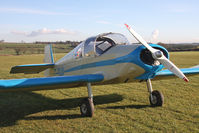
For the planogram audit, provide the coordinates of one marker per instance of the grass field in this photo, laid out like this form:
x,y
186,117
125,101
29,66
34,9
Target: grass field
x,y
118,108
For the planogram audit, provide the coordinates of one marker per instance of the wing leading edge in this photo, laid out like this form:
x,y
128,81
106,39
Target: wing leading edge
x,y
48,83
167,74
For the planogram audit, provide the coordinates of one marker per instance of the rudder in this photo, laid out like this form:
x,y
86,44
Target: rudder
x,y
48,58
48,54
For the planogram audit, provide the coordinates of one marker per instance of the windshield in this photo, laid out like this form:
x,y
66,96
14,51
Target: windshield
x,y
100,44
118,38
89,46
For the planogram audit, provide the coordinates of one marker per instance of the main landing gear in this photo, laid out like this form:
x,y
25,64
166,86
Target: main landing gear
x,y
87,106
156,98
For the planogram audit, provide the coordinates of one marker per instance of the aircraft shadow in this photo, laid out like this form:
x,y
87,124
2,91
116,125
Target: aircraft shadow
x,y
16,106
129,106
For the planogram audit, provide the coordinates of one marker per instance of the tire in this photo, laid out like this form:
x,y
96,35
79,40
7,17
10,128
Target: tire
x,y
87,107
158,99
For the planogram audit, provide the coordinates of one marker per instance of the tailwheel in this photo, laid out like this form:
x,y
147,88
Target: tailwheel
x,y
156,98
87,107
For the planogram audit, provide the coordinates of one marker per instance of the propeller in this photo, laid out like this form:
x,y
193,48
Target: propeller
x,y
158,55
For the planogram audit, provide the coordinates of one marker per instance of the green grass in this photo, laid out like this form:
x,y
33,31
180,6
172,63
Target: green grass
x,y
118,108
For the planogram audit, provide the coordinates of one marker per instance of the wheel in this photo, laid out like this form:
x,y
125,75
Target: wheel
x,y
156,99
87,107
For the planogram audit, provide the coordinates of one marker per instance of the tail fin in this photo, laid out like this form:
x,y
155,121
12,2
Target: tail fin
x,y
48,58
37,68
48,54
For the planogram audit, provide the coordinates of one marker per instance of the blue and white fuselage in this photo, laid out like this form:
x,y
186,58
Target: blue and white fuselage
x,y
120,63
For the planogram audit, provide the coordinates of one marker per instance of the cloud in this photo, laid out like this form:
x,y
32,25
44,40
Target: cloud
x,y
43,31
19,32
30,11
154,35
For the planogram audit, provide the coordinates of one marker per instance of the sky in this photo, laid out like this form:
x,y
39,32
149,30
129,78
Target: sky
x,y
169,21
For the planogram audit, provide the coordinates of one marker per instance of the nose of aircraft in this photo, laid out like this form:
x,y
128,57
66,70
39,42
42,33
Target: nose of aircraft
x,y
157,55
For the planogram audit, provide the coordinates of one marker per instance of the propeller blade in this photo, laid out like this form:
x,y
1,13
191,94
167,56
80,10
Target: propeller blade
x,y
140,39
158,55
172,67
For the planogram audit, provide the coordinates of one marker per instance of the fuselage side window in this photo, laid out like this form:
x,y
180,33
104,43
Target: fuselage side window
x,y
78,50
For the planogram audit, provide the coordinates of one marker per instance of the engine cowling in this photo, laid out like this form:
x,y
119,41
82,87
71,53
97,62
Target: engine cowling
x,y
146,56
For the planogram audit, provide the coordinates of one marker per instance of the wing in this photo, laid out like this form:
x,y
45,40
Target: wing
x,y
164,74
30,69
49,82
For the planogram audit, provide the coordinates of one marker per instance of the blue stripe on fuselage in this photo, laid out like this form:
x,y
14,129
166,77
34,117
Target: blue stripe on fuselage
x,y
133,57
124,59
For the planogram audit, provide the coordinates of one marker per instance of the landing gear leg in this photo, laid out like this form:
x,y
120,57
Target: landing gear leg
x,y
87,106
156,98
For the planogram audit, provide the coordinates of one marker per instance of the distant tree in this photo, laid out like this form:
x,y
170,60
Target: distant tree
x,y
22,41
23,50
39,51
17,50
32,50
163,44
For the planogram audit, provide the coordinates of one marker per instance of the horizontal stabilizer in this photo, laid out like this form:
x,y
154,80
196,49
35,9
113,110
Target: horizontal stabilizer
x,y
31,68
47,83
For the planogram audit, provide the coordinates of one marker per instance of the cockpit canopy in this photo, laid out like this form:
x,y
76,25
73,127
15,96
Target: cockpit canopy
x,y
100,44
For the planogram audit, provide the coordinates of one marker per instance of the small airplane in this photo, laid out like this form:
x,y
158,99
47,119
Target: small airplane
x,y
103,59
